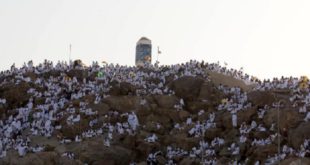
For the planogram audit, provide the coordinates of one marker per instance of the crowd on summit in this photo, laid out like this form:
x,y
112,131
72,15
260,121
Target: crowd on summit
x,y
58,110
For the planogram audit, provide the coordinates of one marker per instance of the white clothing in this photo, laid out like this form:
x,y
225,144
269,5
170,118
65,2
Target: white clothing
x,y
234,120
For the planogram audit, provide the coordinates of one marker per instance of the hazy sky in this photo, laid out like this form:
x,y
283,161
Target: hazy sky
x,y
266,37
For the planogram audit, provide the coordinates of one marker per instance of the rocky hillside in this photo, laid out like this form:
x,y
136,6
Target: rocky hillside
x,y
192,113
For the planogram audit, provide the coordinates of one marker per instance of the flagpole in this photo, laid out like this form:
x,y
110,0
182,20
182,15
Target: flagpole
x,y
70,53
157,53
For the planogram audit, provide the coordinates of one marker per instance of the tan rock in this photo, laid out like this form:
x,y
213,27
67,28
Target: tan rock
x,y
187,87
261,98
165,101
299,134
296,161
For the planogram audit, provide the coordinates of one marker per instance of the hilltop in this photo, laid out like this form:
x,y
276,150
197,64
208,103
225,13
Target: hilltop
x,y
191,113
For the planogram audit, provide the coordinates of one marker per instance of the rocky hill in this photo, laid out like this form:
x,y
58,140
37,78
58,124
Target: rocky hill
x,y
192,113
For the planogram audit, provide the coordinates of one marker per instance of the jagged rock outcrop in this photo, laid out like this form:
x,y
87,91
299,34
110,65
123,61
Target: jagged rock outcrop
x,y
187,87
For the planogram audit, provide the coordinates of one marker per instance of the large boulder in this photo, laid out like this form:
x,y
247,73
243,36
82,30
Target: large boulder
x,y
189,161
122,103
142,115
127,88
246,115
101,108
165,101
261,152
230,136
213,133
195,106
298,135
228,80
15,95
261,98
94,152
187,87
122,89
105,162
223,160
288,118
224,118
79,74
41,158
70,131
183,115
181,141
145,148
295,161
172,114
210,93
163,118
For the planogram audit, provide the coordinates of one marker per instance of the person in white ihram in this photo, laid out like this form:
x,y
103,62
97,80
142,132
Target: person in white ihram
x,y
234,118
151,139
133,121
21,150
307,117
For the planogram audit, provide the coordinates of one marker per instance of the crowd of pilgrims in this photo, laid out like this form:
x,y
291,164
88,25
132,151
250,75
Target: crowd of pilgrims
x,y
42,120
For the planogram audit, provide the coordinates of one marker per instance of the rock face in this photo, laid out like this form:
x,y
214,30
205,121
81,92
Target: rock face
x,y
15,95
123,103
43,158
157,115
230,81
261,98
246,116
260,153
297,136
188,161
296,161
187,87
93,152
123,89
79,74
210,92
288,118
165,101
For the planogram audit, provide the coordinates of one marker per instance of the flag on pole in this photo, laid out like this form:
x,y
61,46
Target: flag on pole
x,y
158,51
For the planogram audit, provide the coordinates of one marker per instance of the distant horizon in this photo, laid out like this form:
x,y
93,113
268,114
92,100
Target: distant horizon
x,y
268,38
